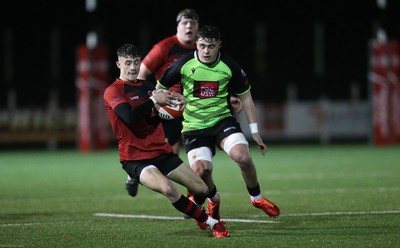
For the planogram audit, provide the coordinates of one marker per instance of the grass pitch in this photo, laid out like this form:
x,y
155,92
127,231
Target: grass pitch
x,y
330,196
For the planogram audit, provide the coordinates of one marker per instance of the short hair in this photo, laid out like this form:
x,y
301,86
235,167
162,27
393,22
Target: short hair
x,y
187,14
128,50
209,33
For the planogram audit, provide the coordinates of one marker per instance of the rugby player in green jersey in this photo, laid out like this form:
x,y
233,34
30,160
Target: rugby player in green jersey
x,y
208,76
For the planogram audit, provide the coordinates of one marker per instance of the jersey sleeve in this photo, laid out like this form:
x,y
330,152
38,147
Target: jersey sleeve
x,y
239,83
113,96
172,75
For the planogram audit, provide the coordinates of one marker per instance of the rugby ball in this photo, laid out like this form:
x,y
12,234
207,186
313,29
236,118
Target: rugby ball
x,y
168,112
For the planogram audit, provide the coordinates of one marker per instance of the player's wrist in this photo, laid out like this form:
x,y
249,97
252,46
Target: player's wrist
x,y
153,99
253,127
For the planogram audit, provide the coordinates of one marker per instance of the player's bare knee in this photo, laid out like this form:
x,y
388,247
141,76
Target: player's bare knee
x,y
168,190
199,187
240,156
204,173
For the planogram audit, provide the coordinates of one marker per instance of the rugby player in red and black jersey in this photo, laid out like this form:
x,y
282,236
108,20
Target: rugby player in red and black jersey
x,y
154,64
143,151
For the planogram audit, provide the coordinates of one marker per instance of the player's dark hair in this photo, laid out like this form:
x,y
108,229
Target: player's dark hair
x,y
209,33
128,50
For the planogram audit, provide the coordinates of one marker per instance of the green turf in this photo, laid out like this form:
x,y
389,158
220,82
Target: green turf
x,y
330,196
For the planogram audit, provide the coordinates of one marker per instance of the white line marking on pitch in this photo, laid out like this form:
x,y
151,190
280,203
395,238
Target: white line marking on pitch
x,y
348,213
43,223
247,220
174,218
181,218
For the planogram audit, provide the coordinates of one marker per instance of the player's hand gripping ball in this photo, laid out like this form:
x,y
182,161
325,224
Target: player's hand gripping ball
x,y
170,112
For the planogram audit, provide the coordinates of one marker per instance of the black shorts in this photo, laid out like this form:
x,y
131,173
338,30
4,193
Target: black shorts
x,y
211,137
172,130
165,163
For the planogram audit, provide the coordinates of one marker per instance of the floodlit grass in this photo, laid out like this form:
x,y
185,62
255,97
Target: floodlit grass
x,y
330,196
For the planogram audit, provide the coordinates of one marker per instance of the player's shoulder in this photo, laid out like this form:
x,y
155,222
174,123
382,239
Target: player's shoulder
x,y
188,56
112,89
115,84
226,58
185,60
230,61
168,42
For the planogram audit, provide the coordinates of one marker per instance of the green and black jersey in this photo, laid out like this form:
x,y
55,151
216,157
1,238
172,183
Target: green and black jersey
x,y
207,88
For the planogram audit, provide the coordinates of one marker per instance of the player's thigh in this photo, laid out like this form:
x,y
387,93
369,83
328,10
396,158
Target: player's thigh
x,y
185,176
153,179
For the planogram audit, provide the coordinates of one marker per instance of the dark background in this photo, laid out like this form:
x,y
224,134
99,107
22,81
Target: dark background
x,y
33,66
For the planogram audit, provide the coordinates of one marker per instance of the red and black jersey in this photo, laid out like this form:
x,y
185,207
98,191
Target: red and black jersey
x,y
143,138
163,54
